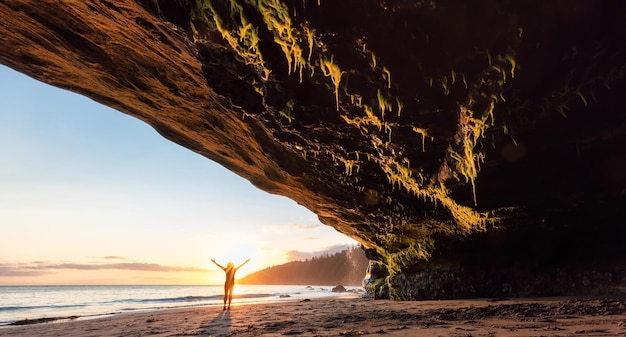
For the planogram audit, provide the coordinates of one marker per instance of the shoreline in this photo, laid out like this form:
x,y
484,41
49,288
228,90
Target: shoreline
x,y
344,316
60,319
27,305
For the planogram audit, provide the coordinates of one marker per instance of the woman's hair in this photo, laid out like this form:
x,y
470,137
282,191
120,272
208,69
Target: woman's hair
x,y
230,265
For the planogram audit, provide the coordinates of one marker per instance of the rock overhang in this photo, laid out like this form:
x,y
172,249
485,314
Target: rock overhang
x,y
452,139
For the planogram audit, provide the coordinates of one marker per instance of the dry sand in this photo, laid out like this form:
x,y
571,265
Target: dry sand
x,y
355,316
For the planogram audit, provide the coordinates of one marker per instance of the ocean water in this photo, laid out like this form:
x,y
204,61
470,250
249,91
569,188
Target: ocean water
x,y
36,302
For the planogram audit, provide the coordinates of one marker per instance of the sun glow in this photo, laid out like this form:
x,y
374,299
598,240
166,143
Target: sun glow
x,y
237,290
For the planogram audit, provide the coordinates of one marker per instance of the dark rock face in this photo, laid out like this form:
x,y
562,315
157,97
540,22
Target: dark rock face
x,y
475,148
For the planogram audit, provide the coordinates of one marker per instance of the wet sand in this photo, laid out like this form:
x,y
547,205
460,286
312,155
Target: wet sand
x,y
355,316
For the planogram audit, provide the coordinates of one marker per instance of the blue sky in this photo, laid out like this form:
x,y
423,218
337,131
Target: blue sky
x,y
89,195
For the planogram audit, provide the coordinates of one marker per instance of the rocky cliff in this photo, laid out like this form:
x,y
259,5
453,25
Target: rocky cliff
x,y
475,148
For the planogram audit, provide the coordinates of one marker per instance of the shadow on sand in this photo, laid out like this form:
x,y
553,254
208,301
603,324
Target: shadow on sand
x,y
220,325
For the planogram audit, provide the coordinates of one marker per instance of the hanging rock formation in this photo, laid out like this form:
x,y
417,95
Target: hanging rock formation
x,y
475,148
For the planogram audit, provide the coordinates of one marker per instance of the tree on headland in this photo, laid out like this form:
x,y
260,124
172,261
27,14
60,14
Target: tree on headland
x,y
346,267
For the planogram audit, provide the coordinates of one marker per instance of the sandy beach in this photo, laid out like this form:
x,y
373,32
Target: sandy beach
x,y
356,316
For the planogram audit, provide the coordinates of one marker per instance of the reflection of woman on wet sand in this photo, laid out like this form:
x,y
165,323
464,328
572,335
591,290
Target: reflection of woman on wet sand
x,y
229,284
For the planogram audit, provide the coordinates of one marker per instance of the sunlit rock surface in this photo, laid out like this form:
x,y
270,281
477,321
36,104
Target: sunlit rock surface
x,y
475,148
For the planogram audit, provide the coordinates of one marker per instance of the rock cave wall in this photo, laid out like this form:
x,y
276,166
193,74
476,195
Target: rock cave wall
x,y
473,148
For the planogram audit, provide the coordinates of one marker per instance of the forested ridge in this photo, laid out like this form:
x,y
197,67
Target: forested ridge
x,y
346,267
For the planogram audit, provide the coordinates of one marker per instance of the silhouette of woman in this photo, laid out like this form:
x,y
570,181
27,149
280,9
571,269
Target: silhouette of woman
x,y
229,284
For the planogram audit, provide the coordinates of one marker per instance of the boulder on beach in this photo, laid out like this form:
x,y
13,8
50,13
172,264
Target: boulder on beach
x,y
339,289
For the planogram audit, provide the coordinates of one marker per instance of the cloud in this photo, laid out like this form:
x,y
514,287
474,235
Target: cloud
x,y
39,268
125,266
282,228
12,271
110,257
296,255
304,227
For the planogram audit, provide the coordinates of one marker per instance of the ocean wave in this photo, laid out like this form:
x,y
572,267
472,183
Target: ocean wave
x,y
39,307
184,299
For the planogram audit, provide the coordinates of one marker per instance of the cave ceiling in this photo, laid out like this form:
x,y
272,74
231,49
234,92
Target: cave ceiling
x,y
407,125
